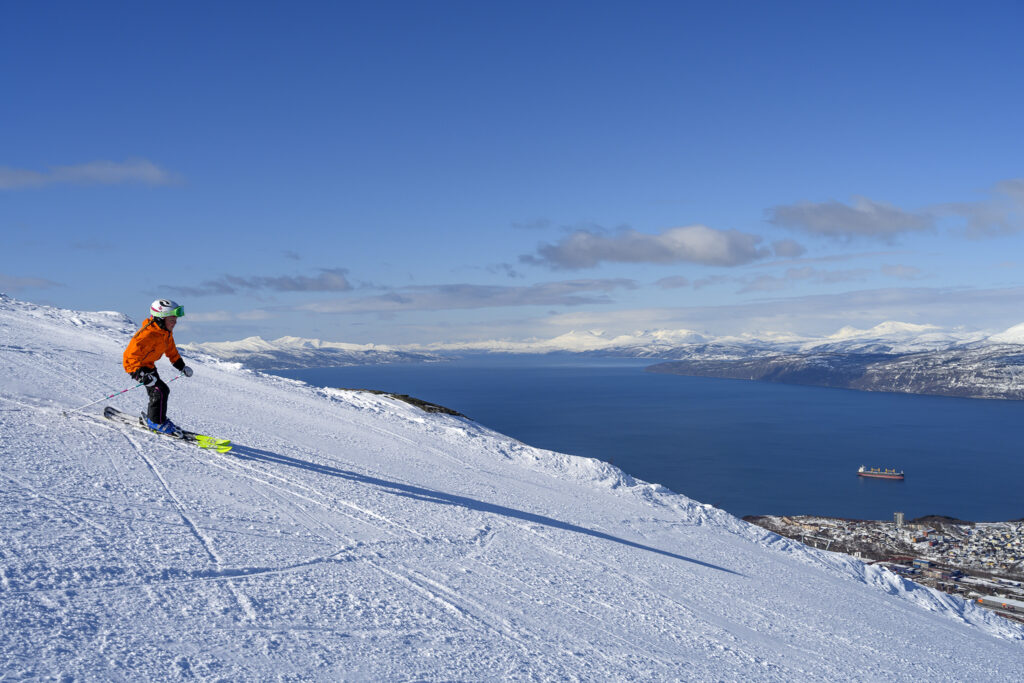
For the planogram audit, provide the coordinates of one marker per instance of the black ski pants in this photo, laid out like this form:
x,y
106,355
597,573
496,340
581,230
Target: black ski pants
x,y
158,394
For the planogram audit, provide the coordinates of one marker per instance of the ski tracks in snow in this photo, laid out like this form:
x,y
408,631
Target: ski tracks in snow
x,y
205,541
345,516
382,554
513,595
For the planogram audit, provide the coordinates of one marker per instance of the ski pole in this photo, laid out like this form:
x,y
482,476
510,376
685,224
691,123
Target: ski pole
x,y
117,393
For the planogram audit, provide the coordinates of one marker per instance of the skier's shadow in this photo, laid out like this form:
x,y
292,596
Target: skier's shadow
x,y
430,496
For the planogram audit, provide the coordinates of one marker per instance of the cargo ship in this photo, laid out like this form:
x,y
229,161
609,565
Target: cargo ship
x,y
879,473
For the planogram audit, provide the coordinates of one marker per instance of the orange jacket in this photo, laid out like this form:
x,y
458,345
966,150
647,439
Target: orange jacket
x,y
148,345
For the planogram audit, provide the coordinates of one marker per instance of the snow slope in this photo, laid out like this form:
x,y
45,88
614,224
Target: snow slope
x,y
353,537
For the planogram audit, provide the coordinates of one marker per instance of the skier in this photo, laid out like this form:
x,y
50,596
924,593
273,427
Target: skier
x,y
153,340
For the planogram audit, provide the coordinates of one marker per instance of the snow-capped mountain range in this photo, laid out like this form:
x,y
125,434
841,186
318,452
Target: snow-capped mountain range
x,y
350,536
295,352
888,337
891,356
289,352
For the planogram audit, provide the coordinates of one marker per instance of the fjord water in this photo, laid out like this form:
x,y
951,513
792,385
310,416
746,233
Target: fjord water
x,y
747,447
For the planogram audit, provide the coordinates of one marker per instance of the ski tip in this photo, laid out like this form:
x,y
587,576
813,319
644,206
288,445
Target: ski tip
x,y
211,443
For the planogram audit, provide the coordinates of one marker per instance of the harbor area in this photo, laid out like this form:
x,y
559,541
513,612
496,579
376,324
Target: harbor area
x,y
980,561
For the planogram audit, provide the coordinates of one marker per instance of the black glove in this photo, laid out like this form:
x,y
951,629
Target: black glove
x,y
182,368
146,376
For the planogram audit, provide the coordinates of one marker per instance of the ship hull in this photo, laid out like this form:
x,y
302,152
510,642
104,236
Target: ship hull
x,y
874,475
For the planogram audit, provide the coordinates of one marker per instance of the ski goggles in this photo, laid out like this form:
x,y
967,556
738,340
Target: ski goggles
x,y
178,312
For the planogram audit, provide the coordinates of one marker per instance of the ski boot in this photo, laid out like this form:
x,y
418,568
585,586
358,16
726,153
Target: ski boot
x,y
167,427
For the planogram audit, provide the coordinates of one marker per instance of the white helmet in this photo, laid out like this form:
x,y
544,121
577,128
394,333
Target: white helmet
x,y
165,308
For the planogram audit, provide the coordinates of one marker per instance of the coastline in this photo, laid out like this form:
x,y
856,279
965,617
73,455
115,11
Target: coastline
x,y
974,560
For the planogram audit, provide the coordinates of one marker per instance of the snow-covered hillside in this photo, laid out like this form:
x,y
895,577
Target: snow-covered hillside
x,y
352,537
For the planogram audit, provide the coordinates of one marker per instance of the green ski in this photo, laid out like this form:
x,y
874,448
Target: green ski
x,y
219,445
201,440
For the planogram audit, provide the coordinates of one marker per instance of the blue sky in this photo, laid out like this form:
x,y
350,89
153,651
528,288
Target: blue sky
x,y
416,172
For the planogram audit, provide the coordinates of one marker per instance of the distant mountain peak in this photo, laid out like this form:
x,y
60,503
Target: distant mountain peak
x,y
1014,335
889,328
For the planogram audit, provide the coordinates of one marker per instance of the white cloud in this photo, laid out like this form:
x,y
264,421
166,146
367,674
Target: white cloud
x,y
711,281
14,283
768,283
92,173
689,244
1001,213
538,224
220,316
788,249
902,272
796,275
467,296
328,280
675,282
865,218
819,314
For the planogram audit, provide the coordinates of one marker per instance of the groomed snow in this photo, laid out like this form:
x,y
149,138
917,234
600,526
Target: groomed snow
x,y
352,537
